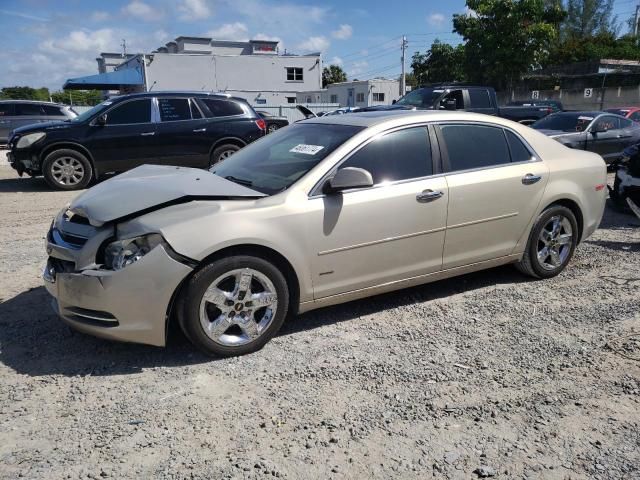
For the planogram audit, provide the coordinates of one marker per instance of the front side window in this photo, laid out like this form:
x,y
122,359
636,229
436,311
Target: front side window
x,y
422,97
475,146
378,97
280,159
52,110
399,155
222,108
135,111
294,74
606,123
564,122
28,109
455,96
173,109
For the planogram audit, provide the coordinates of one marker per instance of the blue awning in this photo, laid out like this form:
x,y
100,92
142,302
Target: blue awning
x,y
107,81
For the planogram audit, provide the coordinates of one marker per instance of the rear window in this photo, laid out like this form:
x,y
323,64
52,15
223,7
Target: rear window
x,y
174,109
7,109
28,109
52,110
475,146
222,108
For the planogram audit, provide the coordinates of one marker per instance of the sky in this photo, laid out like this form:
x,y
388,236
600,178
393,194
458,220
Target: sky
x,y
46,42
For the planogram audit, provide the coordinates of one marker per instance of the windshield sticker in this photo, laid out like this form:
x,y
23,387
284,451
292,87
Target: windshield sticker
x,y
306,149
585,118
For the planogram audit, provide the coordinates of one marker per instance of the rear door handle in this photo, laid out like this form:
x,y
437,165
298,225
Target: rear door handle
x,y
530,179
198,130
147,134
429,196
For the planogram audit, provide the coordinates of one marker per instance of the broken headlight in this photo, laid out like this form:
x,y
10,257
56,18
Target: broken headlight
x,y
121,253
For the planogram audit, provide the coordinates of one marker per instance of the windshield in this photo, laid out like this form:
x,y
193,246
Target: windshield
x,y
277,161
422,97
92,111
564,122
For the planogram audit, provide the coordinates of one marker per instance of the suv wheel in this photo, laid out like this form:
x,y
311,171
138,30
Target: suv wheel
x,y
67,170
223,152
551,244
234,305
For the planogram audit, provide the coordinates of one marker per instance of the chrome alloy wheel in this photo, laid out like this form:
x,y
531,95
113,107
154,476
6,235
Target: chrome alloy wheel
x,y
238,307
67,170
554,242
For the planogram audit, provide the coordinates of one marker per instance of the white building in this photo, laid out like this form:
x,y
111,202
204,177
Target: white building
x,y
358,93
253,70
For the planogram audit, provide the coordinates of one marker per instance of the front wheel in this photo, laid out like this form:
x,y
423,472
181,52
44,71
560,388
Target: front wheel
x,y
67,170
234,305
223,152
551,244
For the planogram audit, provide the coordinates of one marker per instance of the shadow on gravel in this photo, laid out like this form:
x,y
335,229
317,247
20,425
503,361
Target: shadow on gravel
x,y
24,184
33,341
409,296
617,246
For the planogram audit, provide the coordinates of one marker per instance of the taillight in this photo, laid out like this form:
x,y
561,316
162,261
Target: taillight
x,y
262,125
600,187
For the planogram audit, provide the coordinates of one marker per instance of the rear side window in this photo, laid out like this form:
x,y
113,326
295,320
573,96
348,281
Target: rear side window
x,y
475,146
28,109
135,111
52,110
7,109
173,109
195,112
519,153
399,155
624,123
635,116
479,98
222,108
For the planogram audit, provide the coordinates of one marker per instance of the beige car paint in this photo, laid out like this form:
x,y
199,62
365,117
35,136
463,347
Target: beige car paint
x,y
360,243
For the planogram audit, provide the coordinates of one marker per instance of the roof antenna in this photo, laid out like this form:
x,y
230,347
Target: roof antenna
x,y
124,48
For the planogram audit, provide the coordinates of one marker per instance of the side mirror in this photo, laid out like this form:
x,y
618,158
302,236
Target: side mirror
x,y
349,177
101,120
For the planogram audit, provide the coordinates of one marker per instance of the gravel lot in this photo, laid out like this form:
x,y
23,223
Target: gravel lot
x,y
490,374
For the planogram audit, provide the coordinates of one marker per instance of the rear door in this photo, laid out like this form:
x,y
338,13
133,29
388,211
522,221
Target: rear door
x,y
127,140
230,119
495,185
183,137
7,111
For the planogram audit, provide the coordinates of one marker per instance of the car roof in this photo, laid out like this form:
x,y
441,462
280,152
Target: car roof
x,y
38,102
177,93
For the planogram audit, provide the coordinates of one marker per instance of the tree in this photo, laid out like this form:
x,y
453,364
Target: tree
x,y
587,18
333,74
77,97
506,38
25,93
602,45
441,63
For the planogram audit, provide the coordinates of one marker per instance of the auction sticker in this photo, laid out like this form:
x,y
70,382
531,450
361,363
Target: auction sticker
x,y
306,149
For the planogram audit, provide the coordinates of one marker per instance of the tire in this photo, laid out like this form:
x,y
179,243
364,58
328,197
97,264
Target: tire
x,y
222,152
67,169
221,320
560,246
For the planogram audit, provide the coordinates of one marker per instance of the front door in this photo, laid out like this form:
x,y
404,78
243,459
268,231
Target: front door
x,y
127,140
385,233
605,136
495,187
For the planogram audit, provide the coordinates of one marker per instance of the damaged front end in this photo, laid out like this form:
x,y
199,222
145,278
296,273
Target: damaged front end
x,y
627,181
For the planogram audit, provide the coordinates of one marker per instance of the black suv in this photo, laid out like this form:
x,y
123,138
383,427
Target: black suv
x,y
166,128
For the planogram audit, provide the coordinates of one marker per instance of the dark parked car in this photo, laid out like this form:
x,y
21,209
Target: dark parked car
x,y
273,122
632,113
599,132
166,128
18,113
627,181
553,105
471,98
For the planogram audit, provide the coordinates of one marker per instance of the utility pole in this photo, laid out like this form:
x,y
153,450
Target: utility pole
x,y
124,48
403,87
635,21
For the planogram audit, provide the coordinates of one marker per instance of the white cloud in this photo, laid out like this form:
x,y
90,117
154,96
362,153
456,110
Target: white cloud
x,y
470,12
358,67
336,61
280,16
345,31
100,16
161,36
191,10
143,11
314,44
81,41
230,31
436,19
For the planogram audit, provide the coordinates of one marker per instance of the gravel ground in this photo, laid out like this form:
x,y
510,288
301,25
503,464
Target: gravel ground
x,y
489,374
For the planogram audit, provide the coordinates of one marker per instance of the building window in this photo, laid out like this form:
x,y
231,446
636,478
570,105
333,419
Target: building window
x,y
334,99
291,99
359,97
294,74
378,97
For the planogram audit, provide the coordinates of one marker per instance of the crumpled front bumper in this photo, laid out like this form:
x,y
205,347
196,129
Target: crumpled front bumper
x,y
128,305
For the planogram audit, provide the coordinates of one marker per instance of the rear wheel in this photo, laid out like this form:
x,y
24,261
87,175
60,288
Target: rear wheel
x,y
551,244
234,305
67,170
223,152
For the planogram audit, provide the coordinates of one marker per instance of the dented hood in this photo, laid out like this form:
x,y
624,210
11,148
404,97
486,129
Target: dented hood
x,y
151,187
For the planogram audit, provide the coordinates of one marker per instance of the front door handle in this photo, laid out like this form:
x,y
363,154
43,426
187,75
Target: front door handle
x,y
429,196
147,134
530,179
198,130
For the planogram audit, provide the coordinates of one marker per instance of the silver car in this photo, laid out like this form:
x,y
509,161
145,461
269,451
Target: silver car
x,y
325,211
18,113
